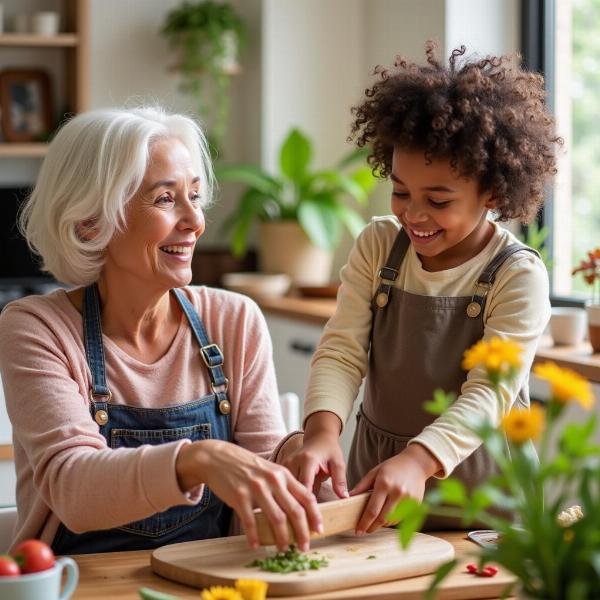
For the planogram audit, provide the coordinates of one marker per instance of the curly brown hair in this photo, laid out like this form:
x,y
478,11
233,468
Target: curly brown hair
x,y
487,117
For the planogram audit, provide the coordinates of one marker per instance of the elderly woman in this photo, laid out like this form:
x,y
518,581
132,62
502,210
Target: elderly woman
x,y
142,409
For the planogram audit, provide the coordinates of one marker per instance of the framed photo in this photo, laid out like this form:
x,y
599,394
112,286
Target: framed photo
x,y
25,103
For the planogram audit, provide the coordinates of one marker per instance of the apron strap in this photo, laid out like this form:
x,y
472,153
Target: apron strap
x,y
211,353
488,277
389,273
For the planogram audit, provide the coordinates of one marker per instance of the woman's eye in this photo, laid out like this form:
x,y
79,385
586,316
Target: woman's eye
x,y
195,197
164,199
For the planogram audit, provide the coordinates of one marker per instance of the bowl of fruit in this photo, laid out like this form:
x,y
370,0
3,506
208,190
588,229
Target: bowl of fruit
x,y
32,572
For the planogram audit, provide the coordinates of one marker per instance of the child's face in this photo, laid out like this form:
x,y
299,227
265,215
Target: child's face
x,y
444,214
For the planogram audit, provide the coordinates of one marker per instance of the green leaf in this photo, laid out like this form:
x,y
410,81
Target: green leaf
x,y
356,155
410,515
440,403
453,491
442,572
295,156
252,204
250,175
318,218
365,178
341,183
350,218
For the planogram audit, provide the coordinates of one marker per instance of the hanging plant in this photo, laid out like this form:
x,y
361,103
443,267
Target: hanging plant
x,y
208,37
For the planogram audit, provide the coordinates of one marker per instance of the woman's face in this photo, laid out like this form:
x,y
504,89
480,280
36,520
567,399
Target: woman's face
x,y
164,220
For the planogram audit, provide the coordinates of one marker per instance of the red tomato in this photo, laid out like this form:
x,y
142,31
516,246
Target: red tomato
x,y
8,566
33,556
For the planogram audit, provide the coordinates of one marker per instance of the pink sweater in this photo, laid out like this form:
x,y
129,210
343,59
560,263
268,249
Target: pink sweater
x,y
65,471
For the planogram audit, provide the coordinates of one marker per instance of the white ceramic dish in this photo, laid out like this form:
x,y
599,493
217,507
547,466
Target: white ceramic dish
x,y
257,284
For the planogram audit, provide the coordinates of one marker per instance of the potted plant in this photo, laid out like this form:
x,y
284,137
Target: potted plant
x,y
301,211
552,549
208,36
590,269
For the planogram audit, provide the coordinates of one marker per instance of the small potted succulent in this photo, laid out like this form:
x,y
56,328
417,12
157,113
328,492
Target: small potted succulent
x,y
590,269
208,36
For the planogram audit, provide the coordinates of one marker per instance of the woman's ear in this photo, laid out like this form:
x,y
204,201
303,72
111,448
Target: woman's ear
x,y
86,230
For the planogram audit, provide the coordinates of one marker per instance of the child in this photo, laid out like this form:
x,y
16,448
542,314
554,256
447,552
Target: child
x,y
424,284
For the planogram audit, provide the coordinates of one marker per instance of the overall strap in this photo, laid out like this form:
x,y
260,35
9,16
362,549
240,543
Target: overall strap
x,y
389,273
100,395
211,353
488,277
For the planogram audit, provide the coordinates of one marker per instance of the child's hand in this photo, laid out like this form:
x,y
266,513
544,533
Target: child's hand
x,y
397,477
320,457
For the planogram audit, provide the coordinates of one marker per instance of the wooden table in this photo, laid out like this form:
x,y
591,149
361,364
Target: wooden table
x,y
118,575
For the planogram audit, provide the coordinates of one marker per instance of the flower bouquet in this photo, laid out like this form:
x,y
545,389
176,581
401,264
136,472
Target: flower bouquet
x,y
590,269
554,554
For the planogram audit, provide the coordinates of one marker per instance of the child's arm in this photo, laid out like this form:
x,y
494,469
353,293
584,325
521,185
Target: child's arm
x,y
402,475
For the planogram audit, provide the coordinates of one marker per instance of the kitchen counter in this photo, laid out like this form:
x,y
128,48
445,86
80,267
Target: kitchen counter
x,y
118,575
318,310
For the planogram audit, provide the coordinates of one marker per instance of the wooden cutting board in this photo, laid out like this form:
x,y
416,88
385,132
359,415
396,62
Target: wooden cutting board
x,y
222,561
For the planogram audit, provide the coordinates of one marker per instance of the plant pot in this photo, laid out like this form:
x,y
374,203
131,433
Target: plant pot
x,y
593,314
228,62
283,247
567,325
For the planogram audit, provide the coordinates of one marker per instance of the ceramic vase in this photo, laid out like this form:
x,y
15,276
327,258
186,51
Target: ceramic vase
x,y
593,315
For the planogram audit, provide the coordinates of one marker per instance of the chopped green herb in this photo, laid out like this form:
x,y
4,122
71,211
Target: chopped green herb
x,y
371,556
289,561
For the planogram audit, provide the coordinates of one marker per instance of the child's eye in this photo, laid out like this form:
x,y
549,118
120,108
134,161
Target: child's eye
x,y
402,195
439,204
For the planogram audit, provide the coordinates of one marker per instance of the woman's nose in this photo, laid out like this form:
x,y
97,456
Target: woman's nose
x,y
191,216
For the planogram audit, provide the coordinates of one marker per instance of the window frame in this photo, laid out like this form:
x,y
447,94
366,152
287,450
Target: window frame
x,y
537,50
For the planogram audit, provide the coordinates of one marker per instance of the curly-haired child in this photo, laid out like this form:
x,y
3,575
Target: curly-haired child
x,y
459,143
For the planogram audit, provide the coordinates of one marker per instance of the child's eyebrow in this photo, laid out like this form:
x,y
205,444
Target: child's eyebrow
x,y
433,188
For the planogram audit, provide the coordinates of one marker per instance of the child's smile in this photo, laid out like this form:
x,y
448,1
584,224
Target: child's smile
x,y
443,213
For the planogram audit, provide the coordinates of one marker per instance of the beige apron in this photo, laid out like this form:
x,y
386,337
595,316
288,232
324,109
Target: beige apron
x,y
417,343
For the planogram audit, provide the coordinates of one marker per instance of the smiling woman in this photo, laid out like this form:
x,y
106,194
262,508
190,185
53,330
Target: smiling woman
x,y
156,397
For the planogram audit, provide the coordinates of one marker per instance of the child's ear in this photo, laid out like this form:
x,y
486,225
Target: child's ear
x,y
490,200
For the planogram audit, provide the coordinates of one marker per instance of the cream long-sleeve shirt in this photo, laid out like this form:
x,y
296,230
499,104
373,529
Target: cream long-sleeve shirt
x,y
65,470
517,308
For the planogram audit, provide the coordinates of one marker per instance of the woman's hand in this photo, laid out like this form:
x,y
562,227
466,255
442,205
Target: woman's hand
x,y
245,481
320,456
397,477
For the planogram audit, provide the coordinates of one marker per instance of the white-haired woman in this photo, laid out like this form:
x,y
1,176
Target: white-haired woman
x,y
142,409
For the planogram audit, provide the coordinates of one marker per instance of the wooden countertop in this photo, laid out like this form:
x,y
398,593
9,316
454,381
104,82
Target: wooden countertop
x,y
316,310
119,575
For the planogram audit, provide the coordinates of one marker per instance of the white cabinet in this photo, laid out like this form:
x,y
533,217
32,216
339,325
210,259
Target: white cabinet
x,y
294,343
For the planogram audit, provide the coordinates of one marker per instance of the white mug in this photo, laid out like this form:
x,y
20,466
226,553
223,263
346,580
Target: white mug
x,y
567,325
45,23
44,585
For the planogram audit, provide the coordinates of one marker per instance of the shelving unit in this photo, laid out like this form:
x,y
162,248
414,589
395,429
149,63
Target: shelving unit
x,y
75,44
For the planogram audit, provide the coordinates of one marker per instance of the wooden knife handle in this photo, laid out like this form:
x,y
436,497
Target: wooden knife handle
x,y
337,515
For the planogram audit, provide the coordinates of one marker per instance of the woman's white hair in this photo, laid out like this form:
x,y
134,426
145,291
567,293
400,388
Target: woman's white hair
x,y
94,166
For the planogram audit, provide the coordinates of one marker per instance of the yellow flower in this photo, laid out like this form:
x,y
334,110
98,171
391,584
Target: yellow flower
x,y
218,592
566,385
251,589
521,424
498,356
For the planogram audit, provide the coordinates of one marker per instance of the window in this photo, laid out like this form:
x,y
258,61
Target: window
x,y
560,39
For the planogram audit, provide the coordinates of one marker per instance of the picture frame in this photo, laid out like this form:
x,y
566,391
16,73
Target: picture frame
x,y
25,104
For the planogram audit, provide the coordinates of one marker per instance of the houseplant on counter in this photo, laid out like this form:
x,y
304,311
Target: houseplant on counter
x,y
553,553
301,212
208,36
590,269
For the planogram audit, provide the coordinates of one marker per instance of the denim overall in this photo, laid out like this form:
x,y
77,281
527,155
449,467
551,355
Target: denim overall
x,y
417,343
131,426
